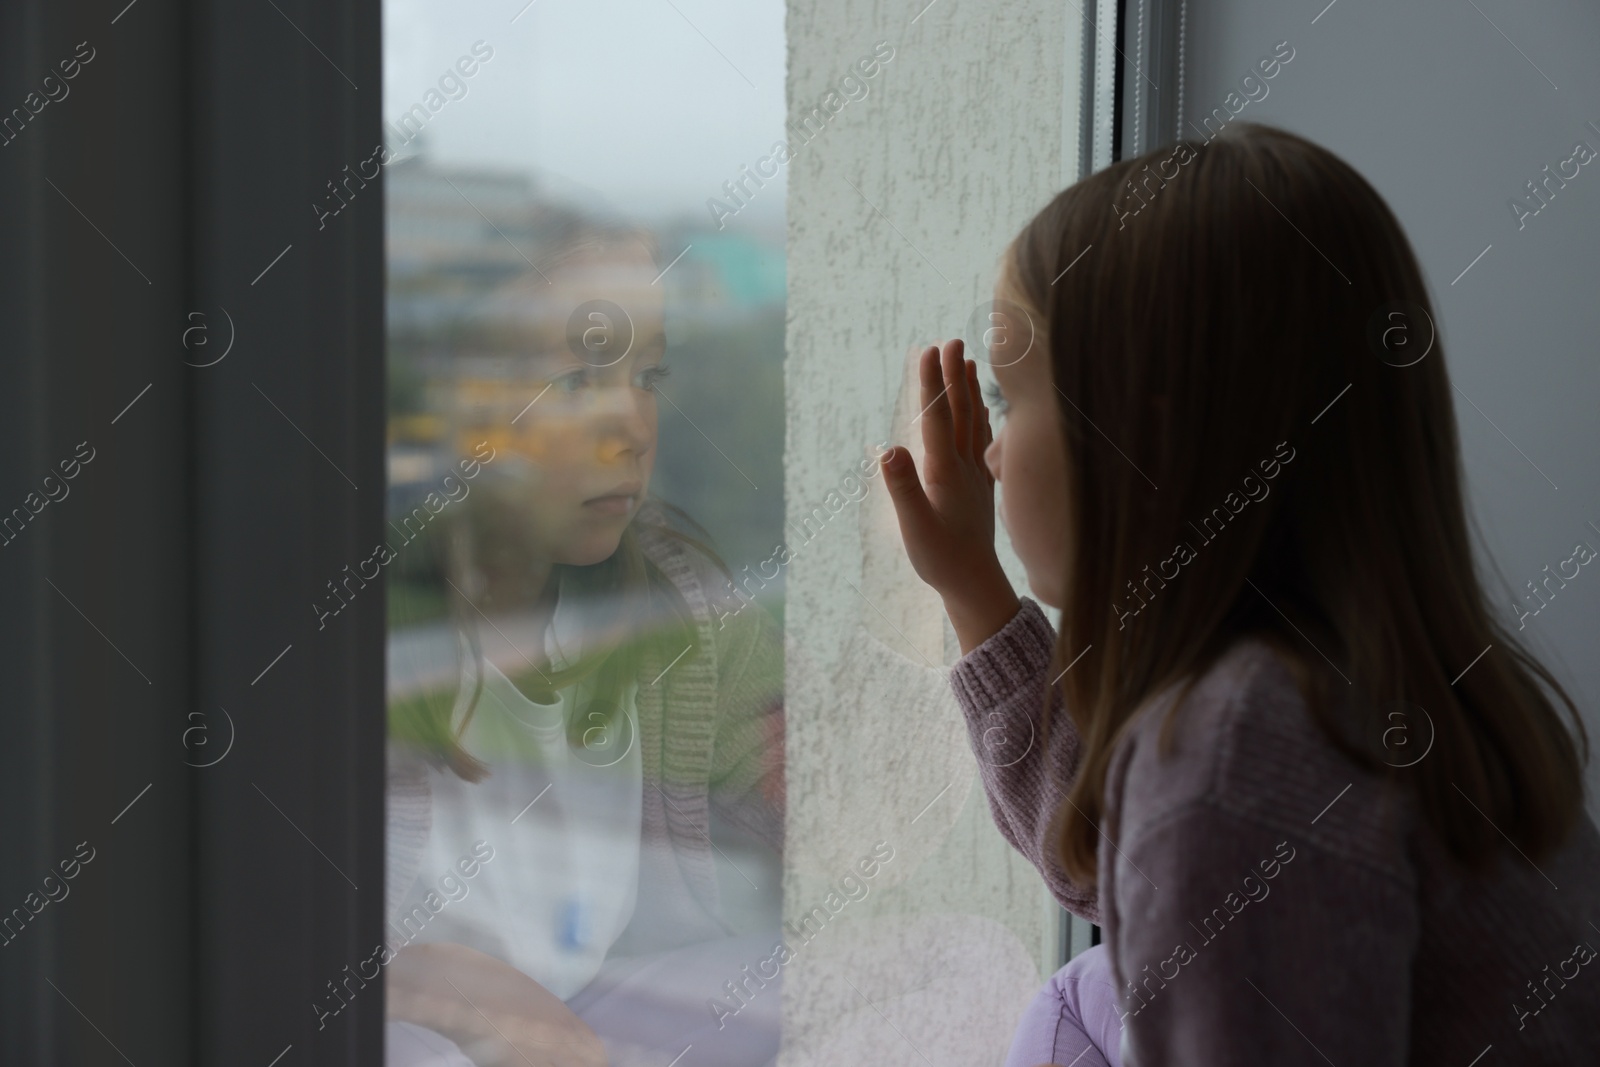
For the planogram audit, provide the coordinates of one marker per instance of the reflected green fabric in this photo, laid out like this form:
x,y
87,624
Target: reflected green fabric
x,y
711,737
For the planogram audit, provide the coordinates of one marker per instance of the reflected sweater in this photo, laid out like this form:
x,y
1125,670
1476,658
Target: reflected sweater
x,y
1264,901
711,740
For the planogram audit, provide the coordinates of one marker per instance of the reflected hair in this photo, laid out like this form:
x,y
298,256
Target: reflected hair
x,y
1203,331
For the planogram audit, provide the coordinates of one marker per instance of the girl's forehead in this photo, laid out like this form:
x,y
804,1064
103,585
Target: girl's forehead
x,y
624,295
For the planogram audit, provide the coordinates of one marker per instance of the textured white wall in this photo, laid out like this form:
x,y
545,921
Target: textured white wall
x,y
897,213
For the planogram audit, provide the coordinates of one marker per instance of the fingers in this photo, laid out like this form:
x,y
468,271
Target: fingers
x,y
954,370
953,413
935,414
984,432
980,413
911,504
955,419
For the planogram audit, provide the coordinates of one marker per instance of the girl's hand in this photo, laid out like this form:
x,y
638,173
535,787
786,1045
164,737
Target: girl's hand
x,y
947,516
499,1016
896,606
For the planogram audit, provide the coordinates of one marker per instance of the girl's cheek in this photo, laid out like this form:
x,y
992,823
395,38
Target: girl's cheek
x,y
991,455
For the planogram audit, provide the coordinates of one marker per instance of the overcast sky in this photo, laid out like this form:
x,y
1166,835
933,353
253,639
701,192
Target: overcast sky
x,y
645,106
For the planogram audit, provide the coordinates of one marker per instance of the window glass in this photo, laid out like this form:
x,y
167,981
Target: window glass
x,y
586,431
593,811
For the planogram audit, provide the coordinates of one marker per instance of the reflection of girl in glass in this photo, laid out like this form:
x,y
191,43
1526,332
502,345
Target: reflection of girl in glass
x,y
604,729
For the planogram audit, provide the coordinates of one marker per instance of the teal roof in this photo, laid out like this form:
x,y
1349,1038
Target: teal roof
x,y
750,272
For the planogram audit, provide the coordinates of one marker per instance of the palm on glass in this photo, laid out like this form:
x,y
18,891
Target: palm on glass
x,y
946,511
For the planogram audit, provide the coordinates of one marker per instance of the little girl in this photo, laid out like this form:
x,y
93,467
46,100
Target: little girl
x,y
1283,750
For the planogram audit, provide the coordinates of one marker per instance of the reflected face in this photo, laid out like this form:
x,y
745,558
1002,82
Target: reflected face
x,y
589,438
1028,454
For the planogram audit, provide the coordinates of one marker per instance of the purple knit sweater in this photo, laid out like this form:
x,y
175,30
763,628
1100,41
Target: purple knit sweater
x,y
1266,902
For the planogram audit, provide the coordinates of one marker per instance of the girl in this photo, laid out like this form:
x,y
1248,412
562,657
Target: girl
x,y
556,809
1319,799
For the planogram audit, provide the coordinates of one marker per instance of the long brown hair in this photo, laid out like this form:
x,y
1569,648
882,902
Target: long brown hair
x,y
1243,300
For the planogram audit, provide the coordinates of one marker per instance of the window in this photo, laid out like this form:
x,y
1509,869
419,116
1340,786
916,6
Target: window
x,y
660,777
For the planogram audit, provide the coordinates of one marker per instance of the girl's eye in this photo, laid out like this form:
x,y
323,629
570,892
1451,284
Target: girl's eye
x,y
997,403
650,376
572,382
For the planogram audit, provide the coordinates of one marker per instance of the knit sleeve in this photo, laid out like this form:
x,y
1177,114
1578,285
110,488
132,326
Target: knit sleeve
x,y
747,782
1026,775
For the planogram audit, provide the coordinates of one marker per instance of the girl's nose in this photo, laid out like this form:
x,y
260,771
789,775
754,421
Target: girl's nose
x,y
991,458
624,427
